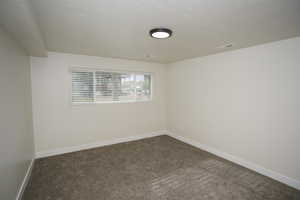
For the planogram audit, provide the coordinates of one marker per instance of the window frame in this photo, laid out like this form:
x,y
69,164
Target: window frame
x,y
95,69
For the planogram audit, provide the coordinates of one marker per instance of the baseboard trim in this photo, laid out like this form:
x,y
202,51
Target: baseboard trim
x,y
43,154
25,180
259,169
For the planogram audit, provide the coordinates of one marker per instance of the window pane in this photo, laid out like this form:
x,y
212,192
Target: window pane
x,y
127,88
143,87
101,86
112,86
82,87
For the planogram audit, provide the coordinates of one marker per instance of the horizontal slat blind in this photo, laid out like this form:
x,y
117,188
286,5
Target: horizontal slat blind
x,y
82,87
111,86
104,86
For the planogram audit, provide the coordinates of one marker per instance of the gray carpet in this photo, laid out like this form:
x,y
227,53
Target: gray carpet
x,y
158,168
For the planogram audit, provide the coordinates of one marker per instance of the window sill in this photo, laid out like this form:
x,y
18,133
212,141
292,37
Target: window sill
x,y
110,102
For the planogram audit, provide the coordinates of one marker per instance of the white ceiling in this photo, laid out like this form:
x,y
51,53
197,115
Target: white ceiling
x,y
17,17
119,28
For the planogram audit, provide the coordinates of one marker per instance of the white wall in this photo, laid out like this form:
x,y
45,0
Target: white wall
x,y
245,103
16,142
58,124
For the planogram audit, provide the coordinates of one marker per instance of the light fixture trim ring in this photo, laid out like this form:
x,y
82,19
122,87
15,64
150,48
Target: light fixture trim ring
x,y
160,33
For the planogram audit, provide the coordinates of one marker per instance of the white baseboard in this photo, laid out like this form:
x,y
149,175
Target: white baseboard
x,y
25,180
64,150
259,169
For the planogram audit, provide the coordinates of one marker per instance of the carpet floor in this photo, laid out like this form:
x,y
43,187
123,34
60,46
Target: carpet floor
x,y
158,168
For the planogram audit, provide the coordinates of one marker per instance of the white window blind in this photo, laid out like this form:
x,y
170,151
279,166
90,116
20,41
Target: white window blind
x,y
105,86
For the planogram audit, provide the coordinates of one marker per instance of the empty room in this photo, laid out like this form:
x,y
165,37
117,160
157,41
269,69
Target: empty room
x,y
149,100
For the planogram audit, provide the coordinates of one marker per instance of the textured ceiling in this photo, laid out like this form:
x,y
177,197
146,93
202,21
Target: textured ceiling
x,y
119,28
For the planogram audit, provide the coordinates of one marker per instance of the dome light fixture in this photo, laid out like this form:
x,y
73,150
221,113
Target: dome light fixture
x,y
160,33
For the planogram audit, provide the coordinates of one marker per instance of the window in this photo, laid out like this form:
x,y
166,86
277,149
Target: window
x,y
104,86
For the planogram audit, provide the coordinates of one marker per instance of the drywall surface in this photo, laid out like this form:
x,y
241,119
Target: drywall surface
x,y
244,103
59,124
16,142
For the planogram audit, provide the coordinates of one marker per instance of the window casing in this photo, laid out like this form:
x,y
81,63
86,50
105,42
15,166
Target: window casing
x,y
97,86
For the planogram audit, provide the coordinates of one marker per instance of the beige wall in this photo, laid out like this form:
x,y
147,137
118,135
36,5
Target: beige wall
x,y
245,103
58,124
16,142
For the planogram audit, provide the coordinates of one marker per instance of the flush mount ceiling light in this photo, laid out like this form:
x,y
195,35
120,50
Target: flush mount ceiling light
x,y
160,33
